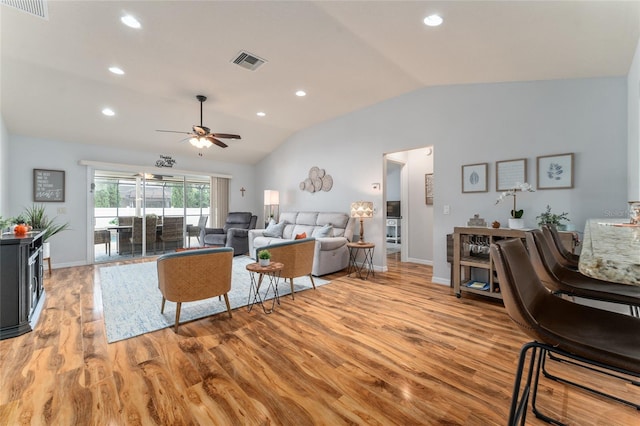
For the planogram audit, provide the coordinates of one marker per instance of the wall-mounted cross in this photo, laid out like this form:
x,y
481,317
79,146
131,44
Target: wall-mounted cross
x,y
242,190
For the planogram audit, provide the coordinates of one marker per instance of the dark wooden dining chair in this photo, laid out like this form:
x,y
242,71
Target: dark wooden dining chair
x,y
103,236
595,339
149,232
172,231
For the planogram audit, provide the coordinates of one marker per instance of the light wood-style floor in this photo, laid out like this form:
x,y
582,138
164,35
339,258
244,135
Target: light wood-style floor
x,y
393,350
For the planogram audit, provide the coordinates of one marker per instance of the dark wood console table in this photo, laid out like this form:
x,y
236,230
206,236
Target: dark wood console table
x,y
21,274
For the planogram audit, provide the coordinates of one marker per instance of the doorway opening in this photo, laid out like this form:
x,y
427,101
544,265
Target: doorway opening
x,y
408,198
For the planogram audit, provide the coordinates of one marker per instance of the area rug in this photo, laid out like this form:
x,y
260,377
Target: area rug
x,y
131,299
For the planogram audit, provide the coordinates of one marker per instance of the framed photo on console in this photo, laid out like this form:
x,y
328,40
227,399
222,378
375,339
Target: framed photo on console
x,y
555,171
474,177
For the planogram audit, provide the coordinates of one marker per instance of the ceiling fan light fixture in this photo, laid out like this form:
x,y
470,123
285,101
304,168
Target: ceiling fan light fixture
x,y
433,20
200,142
116,70
130,21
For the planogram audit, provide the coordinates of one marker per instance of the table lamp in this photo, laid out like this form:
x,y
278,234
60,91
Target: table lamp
x,y
362,209
271,205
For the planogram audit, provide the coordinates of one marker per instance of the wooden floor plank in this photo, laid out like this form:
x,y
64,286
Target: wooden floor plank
x,y
393,349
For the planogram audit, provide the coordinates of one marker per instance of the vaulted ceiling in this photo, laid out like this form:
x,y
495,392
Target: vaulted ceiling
x,y
345,55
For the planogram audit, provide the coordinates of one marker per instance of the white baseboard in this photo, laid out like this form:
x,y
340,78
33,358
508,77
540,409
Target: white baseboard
x,y
420,261
440,280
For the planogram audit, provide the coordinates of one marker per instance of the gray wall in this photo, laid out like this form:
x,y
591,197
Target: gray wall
x,y
393,181
633,126
467,124
71,247
4,170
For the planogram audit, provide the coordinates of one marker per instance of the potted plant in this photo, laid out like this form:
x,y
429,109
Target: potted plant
x,y
264,257
548,218
37,218
4,224
515,221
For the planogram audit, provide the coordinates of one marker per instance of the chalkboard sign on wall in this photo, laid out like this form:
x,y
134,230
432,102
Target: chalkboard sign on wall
x,y
48,185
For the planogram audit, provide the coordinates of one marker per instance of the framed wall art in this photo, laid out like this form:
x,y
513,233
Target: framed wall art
x,y
48,185
510,172
555,171
474,177
428,188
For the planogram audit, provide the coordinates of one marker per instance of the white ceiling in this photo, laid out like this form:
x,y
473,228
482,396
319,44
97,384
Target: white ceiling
x,y
346,55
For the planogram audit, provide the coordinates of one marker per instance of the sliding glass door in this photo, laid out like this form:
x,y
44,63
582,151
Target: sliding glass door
x,y
145,214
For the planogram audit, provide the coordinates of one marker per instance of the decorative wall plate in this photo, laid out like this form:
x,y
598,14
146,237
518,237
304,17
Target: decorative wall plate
x,y
317,184
317,181
327,183
308,185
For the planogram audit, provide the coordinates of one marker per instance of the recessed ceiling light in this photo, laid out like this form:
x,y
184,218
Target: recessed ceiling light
x,y
433,20
301,93
108,112
130,21
116,70
261,114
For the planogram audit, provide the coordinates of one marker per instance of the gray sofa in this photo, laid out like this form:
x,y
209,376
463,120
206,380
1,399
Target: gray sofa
x,y
331,252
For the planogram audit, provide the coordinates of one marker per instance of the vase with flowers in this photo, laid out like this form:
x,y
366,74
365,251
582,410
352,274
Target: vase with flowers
x,y
515,221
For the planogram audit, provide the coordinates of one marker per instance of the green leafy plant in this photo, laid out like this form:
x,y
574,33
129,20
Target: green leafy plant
x,y
4,223
551,218
21,218
264,254
37,218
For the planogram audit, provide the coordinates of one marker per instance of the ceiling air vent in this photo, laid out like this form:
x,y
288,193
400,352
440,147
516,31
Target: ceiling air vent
x,y
34,7
248,60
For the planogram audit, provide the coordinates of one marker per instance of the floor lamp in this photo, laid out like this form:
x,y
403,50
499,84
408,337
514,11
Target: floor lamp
x,y
362,209
271,205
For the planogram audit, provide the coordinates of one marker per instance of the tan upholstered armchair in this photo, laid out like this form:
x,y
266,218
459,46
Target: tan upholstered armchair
x,y
195,275
297,257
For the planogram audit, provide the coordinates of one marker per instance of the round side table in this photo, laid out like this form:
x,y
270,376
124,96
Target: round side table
x,y
272,272
367,262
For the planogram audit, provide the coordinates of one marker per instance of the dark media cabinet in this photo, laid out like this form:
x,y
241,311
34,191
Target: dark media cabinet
x,y
21,289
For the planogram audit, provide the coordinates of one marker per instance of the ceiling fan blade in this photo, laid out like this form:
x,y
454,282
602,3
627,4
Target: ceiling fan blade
x,y
173,131
226,136
217,142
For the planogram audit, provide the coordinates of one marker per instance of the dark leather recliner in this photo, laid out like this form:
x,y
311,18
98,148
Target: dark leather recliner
x,y
606,340
234,233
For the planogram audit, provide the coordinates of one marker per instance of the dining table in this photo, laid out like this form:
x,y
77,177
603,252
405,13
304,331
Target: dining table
x,y
611,251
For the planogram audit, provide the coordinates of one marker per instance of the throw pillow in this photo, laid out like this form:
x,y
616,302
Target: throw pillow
x,y
301,236
325,231
274,229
